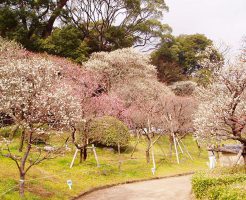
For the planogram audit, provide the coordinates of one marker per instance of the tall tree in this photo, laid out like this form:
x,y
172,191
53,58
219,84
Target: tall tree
x,y
131,76
104,25
24,19
179,57
136,20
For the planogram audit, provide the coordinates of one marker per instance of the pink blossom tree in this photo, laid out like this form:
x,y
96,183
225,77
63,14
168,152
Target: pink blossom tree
x,y
143,108
95,101
176,114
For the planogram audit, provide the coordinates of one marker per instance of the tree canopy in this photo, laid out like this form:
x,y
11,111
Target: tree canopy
x,y
181,56
59,27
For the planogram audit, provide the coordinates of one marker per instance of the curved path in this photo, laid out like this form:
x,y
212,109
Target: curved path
x,y
173,188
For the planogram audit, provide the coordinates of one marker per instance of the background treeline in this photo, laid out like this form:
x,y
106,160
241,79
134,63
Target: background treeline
x,y
76,29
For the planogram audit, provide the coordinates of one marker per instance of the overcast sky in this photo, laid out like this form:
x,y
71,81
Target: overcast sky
x,y
219,20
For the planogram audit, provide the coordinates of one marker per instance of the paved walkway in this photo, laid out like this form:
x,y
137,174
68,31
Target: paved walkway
x,y
175,188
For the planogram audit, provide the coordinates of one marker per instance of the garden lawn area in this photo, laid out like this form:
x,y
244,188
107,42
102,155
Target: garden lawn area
x,y
49,179
220,184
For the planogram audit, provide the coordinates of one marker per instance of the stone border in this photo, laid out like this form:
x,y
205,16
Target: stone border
x,y
128,182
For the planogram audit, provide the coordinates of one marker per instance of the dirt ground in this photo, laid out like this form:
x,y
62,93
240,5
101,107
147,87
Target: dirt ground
x,y
175,188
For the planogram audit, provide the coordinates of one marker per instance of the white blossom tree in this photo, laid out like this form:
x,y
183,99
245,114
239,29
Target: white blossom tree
x,y
121,66
209,62
221,114
243,50
32,94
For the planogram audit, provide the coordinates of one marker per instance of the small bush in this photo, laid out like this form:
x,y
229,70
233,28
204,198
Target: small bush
x,y
41,139
219,185
7,131
183,88
110,131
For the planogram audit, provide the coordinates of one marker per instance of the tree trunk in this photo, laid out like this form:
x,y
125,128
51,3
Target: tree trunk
x,y
85,152
120,162
135,146
147,153
199,149
118,149
81,156
22,165
170,146
244,154
147,156
22,139
49,26
22,184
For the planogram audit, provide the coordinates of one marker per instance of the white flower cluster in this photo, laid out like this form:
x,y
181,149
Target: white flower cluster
x,y
208,59
31,91
122,64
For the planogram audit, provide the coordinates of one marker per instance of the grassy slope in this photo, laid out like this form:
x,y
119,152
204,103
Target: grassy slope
x,y
51,175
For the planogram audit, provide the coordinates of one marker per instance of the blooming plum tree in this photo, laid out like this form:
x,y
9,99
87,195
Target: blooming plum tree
x,y
221,114
142,98
32,94
176,114
95,101
121,66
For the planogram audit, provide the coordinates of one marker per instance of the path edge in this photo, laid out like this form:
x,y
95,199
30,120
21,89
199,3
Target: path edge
x,y
128,182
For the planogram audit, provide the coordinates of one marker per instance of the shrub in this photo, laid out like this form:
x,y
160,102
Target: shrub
x,y
221,185
227,193
110,131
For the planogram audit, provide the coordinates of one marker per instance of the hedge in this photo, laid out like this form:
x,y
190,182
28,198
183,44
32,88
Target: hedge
x,y
220,184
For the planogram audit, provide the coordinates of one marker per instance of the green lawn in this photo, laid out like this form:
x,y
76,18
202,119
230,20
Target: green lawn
x,y
48,180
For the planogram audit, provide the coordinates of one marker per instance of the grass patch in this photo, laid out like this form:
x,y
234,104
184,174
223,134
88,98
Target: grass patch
x,y
48,180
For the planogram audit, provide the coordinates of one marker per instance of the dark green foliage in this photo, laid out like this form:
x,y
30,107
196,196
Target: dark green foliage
x,y
110,131
10,26
33,24
27,20
113,38
189,46
220,184
177,57
66,42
